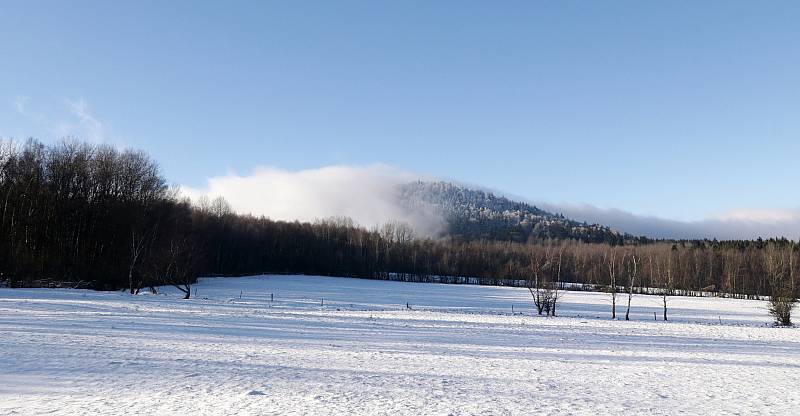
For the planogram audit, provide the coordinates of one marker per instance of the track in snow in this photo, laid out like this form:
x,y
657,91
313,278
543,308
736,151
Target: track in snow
x,y
458,351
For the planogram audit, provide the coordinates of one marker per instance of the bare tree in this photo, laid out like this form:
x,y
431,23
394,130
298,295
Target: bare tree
x,y
668,285
143,234
220,207
660,275
138,243
536,283
556,285
610,258
544,279
181,264
732,267
631,283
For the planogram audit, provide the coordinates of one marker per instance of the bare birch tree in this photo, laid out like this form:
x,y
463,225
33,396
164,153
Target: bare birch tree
x,y
631,283
610,258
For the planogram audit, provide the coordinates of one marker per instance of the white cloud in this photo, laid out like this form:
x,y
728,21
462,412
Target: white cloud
x,y
21,103
91,127
367,194
733,224
69,118
761,215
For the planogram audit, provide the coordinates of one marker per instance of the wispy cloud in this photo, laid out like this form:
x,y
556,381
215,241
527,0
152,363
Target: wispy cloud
x,y
367,194
20,104
733,224
762,215
69,118
87,122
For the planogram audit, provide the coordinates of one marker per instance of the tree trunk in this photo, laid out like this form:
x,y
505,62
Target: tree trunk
x,y
631,282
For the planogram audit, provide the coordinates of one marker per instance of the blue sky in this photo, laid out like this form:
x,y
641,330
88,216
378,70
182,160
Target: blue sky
x,y
682,110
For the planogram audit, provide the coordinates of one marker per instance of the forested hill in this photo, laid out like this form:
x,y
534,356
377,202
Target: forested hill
x,y
91,215
477,215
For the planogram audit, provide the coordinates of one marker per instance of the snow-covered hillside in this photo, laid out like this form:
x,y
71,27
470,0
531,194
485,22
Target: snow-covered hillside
x,y
476,214
345,346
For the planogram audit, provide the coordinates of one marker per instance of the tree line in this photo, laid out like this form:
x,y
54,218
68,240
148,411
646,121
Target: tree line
x,y
105,218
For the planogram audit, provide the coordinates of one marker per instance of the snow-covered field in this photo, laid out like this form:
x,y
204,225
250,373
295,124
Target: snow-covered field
x,y
458,350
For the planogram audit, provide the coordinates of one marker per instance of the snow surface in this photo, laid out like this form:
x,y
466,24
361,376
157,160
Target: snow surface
x,y
458,350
